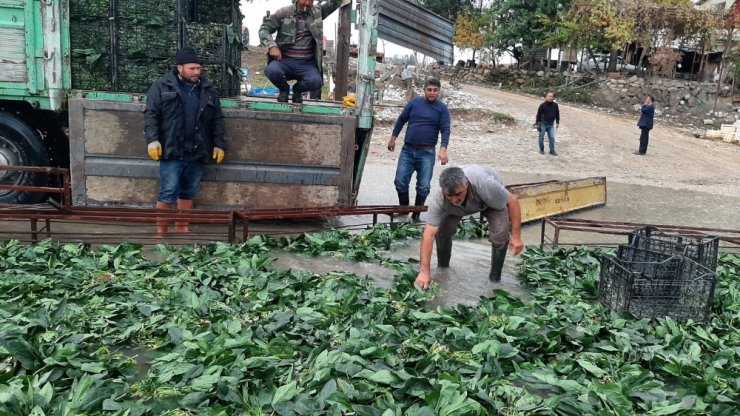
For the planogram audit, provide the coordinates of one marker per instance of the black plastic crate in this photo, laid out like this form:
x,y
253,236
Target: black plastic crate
x,y
677,287
145,43
634,254
225,78
214,11
149,12
87,9
125,46
703,249
137,76
90,45
209,40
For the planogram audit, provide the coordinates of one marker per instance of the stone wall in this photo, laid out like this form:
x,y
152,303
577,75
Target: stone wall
x,y
673,97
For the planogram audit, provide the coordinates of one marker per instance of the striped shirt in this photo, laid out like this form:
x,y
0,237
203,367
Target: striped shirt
x,y
303,48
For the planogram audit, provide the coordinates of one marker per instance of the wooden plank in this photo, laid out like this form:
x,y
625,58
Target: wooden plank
x,y
277,141
249,195
114,132
120,133
16,4
13,50
77,151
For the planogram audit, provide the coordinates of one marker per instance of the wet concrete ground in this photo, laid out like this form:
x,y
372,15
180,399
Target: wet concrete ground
x,y
466,279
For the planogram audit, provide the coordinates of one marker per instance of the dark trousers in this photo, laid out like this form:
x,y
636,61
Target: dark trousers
x,y
279,72
644,138
498,226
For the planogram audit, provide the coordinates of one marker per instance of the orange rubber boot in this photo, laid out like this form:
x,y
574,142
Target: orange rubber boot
x,y
181,226
162,224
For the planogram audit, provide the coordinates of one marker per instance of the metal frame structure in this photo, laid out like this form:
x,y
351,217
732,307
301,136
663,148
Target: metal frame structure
x,y
731,238
65,191
234,220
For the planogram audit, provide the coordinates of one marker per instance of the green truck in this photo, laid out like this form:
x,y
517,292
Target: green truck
x,y
55,110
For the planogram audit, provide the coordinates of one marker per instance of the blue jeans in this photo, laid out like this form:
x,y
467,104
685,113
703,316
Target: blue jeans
x,y
178,179
550,129
279,72
421,161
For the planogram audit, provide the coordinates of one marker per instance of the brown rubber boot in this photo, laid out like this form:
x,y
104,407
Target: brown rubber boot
x,y
162,224
181,226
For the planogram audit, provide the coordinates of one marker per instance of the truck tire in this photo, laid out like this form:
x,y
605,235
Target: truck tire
x,y
20,145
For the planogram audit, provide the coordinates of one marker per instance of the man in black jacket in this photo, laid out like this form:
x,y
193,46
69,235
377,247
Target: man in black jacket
x,y
184,129
547,120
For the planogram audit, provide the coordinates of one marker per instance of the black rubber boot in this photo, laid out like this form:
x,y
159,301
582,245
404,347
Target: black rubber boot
x,y
444,251
283,96
419,203
284,91
297,95
403,198
498,255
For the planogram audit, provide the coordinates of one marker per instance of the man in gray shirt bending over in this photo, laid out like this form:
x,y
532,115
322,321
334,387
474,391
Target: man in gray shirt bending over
x,y
466,191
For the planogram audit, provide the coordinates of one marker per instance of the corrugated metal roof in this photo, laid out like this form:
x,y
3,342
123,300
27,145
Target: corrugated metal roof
x,y
412,26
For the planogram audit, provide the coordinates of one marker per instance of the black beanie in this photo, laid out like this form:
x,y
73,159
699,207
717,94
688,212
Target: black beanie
x,y
187,55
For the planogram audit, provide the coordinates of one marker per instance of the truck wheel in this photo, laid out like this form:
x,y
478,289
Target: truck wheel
x,y
20,145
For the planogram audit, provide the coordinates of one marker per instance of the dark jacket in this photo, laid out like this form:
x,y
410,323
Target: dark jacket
x,y
646,117
164,119
548,112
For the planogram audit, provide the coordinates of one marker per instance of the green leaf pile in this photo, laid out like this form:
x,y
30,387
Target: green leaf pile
x,y
218,330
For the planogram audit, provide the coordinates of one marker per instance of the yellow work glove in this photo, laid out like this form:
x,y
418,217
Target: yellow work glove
x,y
155,150
349,101
218,154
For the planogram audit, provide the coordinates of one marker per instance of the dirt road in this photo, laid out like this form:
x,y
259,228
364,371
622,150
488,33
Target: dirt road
x,y
589,143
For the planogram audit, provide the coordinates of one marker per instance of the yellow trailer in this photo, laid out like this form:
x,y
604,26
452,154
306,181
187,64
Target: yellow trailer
x,y
544,199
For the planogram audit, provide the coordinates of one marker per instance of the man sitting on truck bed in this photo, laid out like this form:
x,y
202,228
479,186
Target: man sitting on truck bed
x,y
296,52
184,127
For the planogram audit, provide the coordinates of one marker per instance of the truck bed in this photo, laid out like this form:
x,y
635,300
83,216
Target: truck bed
x,y
278,156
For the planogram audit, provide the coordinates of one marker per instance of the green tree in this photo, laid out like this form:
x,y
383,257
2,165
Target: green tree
x,y
469,31
449,9
523,24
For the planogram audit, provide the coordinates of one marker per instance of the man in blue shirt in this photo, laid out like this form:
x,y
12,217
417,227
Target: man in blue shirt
x,y
427,116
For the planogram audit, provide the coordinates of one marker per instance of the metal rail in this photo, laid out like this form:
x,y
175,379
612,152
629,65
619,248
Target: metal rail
x,y
233,219
558,225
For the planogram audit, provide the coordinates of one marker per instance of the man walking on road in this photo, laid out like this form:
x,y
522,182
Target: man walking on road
x,y
427,116
547,120
184,128
647,113
466,191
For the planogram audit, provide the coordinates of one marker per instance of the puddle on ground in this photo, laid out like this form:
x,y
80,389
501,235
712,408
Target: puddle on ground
x,y
321,265
464,282
142,359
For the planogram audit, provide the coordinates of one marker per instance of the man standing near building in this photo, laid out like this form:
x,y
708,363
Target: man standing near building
x,y
467,191
297,50
547,120
184,129
647,113
427,117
